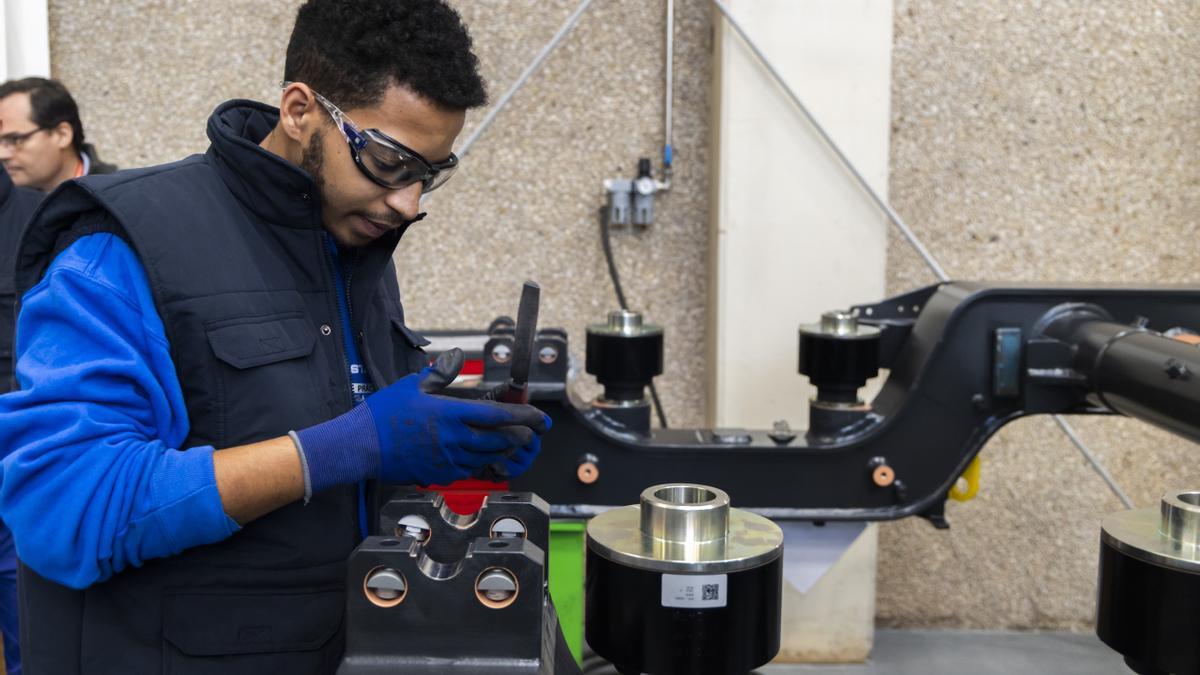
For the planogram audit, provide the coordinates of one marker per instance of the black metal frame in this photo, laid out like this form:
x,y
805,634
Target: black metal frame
x,y
964,359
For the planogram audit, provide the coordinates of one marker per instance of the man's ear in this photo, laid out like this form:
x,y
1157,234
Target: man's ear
x,y
64,135
299,111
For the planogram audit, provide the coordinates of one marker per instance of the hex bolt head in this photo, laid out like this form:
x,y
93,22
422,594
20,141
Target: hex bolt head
x,y
1176,370
501,353
414,526
548,355
782,432
508,528
386,584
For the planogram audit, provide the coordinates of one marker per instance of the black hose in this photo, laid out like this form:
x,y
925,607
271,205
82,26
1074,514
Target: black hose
x,y
606,243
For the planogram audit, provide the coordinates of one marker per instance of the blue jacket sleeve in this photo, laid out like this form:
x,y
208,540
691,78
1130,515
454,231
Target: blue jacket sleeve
x,y
92,480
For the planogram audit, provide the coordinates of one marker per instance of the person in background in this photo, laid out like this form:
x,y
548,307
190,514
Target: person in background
x,y
41,135
16,206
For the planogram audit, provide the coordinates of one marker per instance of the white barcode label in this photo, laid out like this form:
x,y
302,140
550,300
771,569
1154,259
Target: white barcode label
x,y
692,591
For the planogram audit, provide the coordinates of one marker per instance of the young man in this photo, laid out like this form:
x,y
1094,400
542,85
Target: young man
x,y
187,452
41,135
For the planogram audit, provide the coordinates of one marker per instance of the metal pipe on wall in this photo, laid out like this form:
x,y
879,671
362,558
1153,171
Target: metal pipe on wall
x,y
521,80
668,129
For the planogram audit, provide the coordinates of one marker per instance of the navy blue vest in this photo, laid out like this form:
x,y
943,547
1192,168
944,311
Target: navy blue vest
x,y
231,243
16,205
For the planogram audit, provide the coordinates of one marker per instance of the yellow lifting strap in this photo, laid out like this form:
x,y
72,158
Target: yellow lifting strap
x,y
971,477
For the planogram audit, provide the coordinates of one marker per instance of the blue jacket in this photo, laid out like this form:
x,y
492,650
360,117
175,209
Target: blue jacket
x,y
96,485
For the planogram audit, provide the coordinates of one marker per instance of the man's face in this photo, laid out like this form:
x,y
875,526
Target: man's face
x,y
354,209
36,160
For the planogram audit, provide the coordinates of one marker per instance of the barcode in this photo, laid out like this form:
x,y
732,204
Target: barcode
x,y
694,591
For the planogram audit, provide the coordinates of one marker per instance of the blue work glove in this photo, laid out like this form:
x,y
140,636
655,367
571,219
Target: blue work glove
x,y
407,433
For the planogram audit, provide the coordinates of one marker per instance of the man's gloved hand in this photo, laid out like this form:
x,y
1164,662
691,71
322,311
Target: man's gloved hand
x,y
407,433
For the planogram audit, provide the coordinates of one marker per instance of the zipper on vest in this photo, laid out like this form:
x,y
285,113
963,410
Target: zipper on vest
x,y
355,328
330,247
350,306
331,256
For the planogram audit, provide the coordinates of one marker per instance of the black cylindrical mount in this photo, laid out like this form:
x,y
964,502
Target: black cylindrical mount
x,y
1149,587
637,634
684,584
839,356
1136,372
624,355
1148,613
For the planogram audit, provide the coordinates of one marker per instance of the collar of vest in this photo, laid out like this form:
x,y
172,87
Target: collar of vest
x,y
273,188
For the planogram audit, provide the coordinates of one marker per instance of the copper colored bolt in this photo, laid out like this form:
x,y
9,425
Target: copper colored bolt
x,y
883,475
587,473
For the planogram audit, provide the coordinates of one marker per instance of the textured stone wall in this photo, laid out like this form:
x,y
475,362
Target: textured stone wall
x,y
1041,141
148,72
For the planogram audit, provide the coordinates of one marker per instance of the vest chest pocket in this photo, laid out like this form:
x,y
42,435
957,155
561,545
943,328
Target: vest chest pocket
x,y
260,341
266,379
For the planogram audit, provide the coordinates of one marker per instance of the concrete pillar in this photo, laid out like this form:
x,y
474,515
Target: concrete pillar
x,y
26,30
793,235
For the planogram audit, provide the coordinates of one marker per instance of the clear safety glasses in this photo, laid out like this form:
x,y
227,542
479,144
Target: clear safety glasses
x,y
386,161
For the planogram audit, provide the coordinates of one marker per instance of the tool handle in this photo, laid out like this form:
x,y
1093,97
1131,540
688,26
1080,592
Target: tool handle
x,y
509,392
515,393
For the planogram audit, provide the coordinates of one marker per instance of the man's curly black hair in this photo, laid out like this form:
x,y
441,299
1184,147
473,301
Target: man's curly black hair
x,y
351,51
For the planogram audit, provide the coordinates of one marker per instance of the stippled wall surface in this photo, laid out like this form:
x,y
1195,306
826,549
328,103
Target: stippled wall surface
x,y
1043,141
148,72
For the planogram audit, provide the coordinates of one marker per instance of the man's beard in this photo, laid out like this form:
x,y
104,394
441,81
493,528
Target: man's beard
x,y
312,159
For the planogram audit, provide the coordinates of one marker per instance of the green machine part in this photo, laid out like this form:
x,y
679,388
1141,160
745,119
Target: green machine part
x,y
566,579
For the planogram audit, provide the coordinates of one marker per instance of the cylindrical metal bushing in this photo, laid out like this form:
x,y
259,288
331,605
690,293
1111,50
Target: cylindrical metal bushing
x,y
1149,587
683,584
838,355
624,355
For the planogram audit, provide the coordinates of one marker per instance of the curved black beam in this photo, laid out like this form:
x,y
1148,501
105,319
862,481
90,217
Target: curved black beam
x,y
964,359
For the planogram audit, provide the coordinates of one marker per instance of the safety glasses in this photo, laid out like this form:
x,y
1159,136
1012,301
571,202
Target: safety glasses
x,y
386,161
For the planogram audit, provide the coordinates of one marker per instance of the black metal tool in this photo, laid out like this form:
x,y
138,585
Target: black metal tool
x,y
516,390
